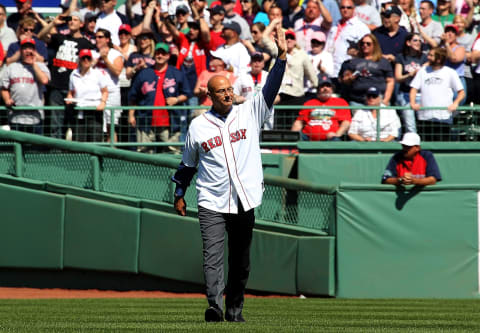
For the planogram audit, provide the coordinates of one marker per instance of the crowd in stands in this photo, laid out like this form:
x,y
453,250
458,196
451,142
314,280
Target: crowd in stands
x,y
97,55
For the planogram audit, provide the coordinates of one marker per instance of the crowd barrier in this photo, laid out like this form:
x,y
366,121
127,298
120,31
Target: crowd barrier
x,y
465,127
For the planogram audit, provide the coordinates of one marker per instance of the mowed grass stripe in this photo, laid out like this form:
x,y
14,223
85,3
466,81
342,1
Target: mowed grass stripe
x,y
262,314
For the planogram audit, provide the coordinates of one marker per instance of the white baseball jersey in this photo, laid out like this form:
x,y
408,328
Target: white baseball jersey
x,y
227,155
245,86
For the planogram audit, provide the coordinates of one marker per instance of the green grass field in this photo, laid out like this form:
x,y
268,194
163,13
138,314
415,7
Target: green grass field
x,y
262,315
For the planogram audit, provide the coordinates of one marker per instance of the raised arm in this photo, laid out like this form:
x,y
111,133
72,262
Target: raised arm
x,y
274,79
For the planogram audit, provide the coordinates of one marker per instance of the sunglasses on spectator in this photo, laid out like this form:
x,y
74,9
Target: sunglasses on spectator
x,y
123,32
386,15
28,29
346,7
290,37
366,43
372,96
245,1
106,1
416,40
86,58
99,36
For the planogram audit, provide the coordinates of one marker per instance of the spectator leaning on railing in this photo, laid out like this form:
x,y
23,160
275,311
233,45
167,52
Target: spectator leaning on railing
x,y
412,166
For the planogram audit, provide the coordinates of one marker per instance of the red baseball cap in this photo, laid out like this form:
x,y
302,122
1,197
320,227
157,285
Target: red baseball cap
x,y
125,27
85,53
451,27
22,1
27,41
290,32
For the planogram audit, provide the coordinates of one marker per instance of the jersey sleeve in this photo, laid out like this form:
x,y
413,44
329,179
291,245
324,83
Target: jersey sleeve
x,y
432,166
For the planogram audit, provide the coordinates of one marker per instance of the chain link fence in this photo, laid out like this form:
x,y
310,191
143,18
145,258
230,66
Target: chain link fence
x,y
146,176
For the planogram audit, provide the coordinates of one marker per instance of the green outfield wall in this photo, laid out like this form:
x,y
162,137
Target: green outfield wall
x,y
72,207
414,243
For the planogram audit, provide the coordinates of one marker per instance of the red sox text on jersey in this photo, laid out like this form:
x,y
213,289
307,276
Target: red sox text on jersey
x,y
217,140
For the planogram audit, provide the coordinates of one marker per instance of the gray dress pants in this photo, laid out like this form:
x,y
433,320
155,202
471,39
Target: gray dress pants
x,y
239,228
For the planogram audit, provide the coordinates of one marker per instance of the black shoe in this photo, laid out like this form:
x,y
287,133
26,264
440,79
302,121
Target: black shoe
x,y
213,314
237,319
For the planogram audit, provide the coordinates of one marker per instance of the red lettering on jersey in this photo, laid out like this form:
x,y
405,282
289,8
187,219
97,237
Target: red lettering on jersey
x,y
218,140
238,135
205,147
210,143
243,132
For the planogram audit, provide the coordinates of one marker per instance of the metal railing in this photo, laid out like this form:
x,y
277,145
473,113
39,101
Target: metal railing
x,y
465,127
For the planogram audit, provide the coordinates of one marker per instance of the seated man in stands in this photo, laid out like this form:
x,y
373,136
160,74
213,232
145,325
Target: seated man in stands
x,y
323,124
412,166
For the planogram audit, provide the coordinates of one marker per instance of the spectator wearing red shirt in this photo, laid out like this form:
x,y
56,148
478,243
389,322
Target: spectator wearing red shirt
x,y
412,166
323,124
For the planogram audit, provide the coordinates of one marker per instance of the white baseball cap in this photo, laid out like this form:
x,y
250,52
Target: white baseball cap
x,y
410,139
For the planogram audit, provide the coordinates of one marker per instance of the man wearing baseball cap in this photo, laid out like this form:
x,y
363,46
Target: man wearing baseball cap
x,y
391,36
162,85
64,62
22,84
323,124
412,166
233,52
231,16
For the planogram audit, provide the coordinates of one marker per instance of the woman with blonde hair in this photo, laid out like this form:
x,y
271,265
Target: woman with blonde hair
x,y
368,70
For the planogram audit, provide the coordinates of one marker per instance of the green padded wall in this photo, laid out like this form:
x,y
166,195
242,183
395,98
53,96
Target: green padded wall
x,y
368,167
170,246
31,227
332,169
273,258
459,168
101,235
316,266
407,245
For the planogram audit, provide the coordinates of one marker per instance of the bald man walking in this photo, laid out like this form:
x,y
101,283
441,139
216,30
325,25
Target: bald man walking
x,y
223,144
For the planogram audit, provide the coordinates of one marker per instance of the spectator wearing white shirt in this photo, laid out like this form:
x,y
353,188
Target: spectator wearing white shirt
x,y
437,84
110,62
7,35
109,20
88,87
349,30
364,122
233,52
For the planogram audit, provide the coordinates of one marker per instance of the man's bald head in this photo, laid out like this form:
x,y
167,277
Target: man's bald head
x,y
216,81
221,93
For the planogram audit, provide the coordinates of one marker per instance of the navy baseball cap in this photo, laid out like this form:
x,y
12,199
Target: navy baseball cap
x,y
257,56
233,26
392,10
373,91
323,79
217,10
